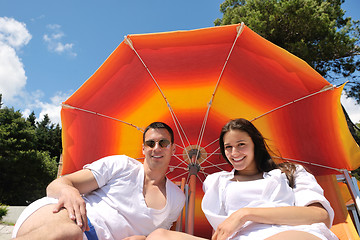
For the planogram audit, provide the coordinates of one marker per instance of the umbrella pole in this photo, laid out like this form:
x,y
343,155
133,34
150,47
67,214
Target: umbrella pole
x,y
193,170
191,212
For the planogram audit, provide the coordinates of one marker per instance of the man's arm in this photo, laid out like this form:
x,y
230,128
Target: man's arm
x,y
68,190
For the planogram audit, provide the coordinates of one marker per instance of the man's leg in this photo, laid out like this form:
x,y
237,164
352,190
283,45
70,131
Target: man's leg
x,y
44,224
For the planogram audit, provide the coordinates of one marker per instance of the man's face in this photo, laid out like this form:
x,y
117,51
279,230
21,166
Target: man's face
x,y
156,150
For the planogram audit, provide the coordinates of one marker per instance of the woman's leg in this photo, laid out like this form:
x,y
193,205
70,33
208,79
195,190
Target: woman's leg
x,y
163,234
293,235
44,224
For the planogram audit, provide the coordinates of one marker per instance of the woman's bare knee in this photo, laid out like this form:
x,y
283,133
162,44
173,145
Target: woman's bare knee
x,y
293,235
158,234
163,234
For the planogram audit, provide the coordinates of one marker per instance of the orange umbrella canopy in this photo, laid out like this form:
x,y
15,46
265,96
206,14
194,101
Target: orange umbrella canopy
x,y
196,81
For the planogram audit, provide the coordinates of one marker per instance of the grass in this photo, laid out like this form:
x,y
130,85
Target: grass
x,y
7,223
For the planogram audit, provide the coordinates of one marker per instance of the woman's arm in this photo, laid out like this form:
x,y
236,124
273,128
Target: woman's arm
x,y
68,190
293,215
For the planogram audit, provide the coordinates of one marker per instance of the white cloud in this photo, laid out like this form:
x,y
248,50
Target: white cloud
x,y
13,36
351,108
13,33
38,18
12,73
26,113
52,108
54,41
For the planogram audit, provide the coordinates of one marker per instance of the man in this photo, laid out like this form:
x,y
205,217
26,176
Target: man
x,y
115,197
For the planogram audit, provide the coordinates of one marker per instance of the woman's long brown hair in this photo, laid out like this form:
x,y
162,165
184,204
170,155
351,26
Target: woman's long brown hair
x,y
264,161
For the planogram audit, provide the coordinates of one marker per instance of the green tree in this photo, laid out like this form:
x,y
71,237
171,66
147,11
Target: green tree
x,y
314,30
25,171
32,119
48,137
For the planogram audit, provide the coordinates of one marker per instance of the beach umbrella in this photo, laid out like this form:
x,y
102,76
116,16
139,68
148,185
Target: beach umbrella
x,y
196,81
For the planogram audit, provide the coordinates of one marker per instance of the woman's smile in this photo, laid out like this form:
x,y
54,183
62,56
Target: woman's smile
x,y
239,150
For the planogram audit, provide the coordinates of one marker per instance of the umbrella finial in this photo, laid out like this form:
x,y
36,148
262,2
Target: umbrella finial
x,y
128,42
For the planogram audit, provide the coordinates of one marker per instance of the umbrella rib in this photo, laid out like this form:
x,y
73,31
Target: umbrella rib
x,y
177,129
182,174
215,165
101,115
182,161
239,29
211,143
310,163
326,88
214,152
179,146
171,168
128,41
112,118
140,159
199,179
177,167
205,173
202,132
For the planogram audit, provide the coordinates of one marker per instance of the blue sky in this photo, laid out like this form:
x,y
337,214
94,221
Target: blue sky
x,y
49,48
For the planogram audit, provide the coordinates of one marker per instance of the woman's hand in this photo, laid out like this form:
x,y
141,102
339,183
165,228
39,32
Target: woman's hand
x,y
313,213
232,224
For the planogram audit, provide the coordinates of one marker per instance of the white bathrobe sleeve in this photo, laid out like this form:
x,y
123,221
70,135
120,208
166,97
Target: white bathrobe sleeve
x,y
308,191
212,204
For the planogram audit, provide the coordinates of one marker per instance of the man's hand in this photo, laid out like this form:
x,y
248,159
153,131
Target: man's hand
x,y
71,200
68,190
135,237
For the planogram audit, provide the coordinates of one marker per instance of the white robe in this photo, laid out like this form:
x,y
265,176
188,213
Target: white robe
x,y
275,192
117,209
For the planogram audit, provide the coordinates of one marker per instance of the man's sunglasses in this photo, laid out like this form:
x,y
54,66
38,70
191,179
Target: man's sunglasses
x,y
163,143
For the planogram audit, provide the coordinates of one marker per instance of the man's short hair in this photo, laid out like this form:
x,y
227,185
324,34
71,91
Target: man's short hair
x,y
160,125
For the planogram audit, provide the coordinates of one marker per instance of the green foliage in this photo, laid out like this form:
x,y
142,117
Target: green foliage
x,y
356,174
48,137
3,210
32,119
314,30
27,157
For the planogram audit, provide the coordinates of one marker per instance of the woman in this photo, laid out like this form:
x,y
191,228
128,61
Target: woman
x,y
260,199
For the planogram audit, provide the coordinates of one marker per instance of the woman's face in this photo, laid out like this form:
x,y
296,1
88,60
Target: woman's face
x,y
239,150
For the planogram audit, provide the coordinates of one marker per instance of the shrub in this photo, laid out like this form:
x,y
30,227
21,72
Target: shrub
x,y
3,210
